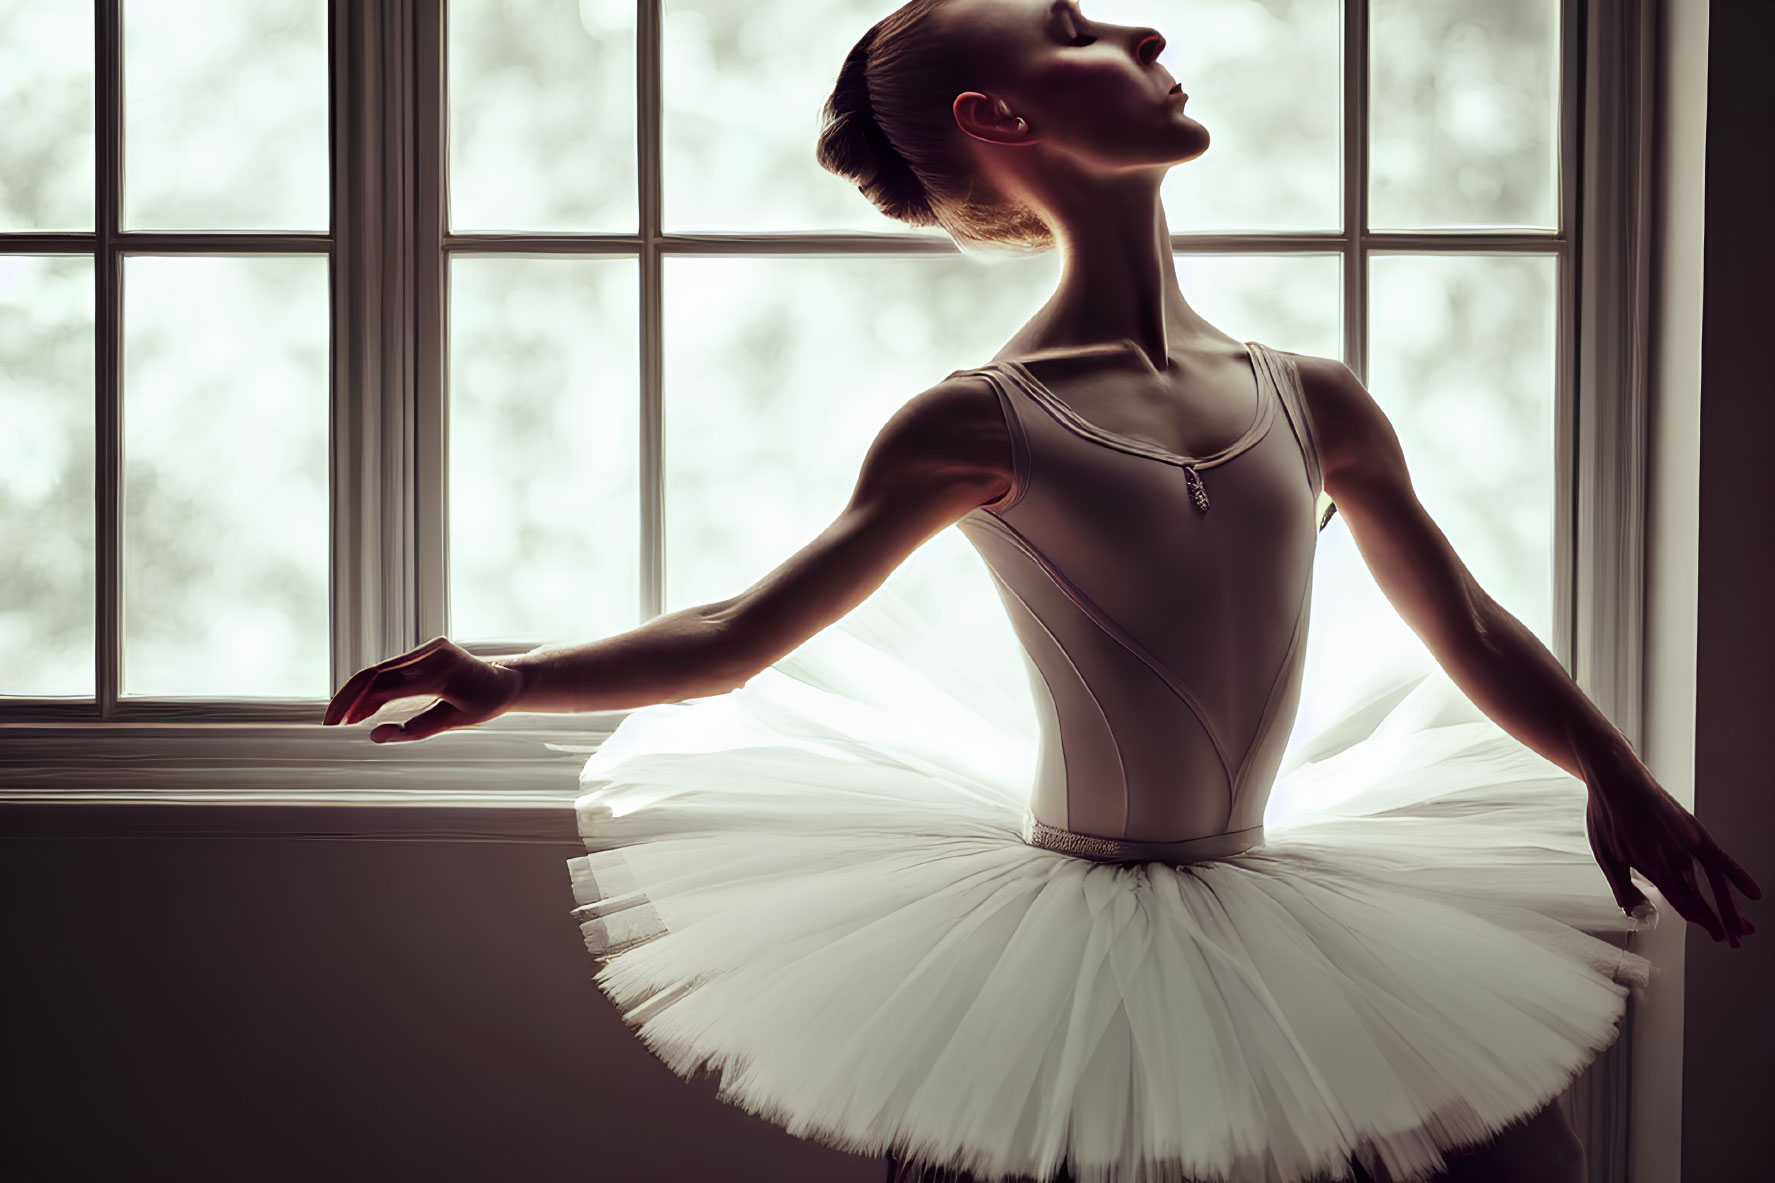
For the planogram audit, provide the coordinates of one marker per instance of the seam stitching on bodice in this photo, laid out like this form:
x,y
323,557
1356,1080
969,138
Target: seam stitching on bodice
x,y
1109,730
1121,637
1269,702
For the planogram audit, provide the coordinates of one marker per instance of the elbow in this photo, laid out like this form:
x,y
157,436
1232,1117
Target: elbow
x,y
1482,629
727,660
1457,621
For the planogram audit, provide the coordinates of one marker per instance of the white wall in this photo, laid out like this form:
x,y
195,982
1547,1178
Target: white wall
x,y
1672,521
1728,1021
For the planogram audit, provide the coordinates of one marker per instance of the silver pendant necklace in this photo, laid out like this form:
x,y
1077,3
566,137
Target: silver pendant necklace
x,y
1198,491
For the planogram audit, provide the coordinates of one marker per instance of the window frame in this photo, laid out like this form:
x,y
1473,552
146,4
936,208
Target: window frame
x,y
389,250
265,768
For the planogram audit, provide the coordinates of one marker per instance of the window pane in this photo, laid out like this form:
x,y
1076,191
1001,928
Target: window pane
x,y
46,475
225,476
779,372
225,115
542,115
46,116
742,91
1289,302
544,446
1462,361
1464,113
1263,77
742,105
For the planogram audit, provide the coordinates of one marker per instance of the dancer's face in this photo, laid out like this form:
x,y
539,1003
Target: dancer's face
x,y
1087,89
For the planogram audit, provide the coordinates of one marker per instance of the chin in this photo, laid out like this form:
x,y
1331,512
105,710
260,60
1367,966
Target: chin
x,y
1194,146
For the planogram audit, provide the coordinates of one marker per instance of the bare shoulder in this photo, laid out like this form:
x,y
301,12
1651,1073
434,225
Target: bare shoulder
x,y
953,432
943,453
1356,440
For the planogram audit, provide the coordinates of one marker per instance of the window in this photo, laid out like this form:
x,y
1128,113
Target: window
x,y
168,538
526,321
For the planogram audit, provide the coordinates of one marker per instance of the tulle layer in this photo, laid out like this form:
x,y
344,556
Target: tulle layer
x,y
815,886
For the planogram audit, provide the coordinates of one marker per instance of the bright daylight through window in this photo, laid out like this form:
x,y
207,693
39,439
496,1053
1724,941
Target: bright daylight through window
x,y
666,336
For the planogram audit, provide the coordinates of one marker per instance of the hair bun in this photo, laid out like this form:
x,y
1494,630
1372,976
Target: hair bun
x,y
895,82
853,145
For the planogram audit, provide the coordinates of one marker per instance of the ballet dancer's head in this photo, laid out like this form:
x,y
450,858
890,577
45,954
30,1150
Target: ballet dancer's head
x,y
991,117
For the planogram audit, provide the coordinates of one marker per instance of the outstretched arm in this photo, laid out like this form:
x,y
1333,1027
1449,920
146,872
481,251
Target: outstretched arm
x,y
1502,666
942,454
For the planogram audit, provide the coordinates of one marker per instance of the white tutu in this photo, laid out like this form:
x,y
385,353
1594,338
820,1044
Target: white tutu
x,y
815,886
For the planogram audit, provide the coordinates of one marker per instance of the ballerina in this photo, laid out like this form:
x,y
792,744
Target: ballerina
x,y
814,867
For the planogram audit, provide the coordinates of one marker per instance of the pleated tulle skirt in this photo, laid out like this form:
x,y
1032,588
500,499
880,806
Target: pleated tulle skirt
x,y
903,1170
815,886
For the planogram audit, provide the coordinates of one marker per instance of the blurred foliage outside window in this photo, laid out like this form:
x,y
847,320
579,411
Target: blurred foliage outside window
x,y
778,367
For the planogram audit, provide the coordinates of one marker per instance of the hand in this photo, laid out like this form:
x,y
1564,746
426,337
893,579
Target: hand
x,y
1634,823
468,689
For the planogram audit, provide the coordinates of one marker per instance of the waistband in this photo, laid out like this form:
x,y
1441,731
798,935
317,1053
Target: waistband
x,y
1124,850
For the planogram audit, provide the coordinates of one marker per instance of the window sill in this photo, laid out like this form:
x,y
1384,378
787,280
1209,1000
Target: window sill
x,y
431,817
513,780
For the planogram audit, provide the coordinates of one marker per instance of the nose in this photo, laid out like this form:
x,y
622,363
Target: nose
x,y
1148,44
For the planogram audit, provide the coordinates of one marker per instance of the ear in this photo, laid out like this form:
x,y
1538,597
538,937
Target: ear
x,y
990,120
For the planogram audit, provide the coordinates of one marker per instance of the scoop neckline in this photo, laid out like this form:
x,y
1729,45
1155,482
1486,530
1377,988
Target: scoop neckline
x,y
1262,417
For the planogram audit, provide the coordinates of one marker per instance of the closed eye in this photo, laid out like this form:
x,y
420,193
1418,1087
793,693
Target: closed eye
x,y
1075,18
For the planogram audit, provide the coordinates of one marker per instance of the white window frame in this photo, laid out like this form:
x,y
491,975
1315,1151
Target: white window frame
x,y
389,252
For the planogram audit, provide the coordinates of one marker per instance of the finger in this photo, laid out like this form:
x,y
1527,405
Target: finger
x,y
1738,874
1621,883
426,723
341,708
421,678
1723,901
348,695
384,688
1686,898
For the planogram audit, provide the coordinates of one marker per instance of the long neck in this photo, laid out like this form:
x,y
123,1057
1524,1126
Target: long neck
x,y
1118,279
